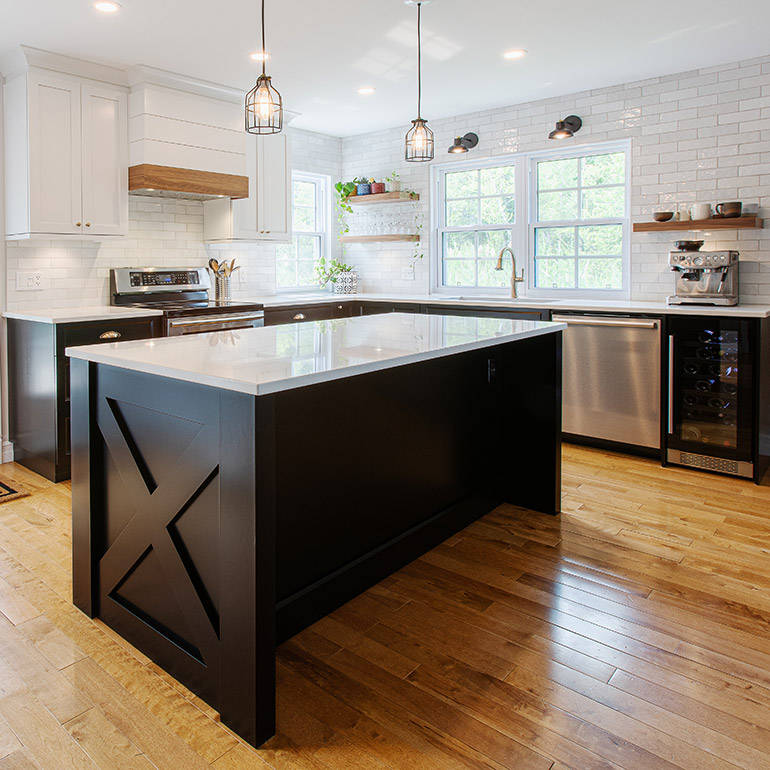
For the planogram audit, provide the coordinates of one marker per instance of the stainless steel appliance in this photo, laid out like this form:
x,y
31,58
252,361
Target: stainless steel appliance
x,y
183,296
704,277
710,382
611,379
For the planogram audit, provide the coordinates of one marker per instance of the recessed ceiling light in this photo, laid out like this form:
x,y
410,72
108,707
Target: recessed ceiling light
x,y
259,55
366,90
516,53
107,6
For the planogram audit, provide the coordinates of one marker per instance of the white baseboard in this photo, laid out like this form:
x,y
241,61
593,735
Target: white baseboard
x,y
7,452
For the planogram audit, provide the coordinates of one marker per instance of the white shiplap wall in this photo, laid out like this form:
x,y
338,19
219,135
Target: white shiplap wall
x,y
697,136
162,233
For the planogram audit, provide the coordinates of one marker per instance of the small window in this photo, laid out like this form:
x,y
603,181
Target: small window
x,y
295,262
580,223
478,216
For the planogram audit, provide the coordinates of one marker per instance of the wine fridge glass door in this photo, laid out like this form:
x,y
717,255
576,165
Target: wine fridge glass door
x,y
710,382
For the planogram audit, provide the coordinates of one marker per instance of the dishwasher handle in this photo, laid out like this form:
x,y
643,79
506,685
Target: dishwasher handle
x,y
585,320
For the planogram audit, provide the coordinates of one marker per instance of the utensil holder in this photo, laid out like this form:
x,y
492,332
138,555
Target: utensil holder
x,y
222,288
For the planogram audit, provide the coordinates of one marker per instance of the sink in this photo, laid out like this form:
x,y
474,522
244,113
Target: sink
x,y
497,298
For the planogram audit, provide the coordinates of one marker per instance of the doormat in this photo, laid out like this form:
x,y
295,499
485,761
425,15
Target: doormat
x,y
8,493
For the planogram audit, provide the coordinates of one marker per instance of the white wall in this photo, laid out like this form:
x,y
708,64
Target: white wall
x,y
162,233
696,136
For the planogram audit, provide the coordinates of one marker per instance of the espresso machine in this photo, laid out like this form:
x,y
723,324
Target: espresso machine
x,y
704,277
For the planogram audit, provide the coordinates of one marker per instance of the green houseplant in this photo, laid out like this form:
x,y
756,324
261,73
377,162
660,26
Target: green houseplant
x,y
330,271
343,190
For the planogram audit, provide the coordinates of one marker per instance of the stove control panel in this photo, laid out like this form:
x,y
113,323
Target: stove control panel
x,y
170,278
127,281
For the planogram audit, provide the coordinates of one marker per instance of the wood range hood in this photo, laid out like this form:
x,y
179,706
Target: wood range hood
x,y
171,182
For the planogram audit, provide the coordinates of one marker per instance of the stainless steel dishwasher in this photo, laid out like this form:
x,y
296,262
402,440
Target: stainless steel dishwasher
x,y
611,380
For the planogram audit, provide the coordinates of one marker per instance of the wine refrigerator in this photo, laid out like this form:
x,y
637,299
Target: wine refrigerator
x,y
710,394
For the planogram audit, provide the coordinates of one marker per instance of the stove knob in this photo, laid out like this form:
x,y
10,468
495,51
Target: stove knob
x,y
698,260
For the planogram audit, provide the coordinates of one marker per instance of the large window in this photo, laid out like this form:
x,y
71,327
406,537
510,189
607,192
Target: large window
x,y
295,262
563,213
579,221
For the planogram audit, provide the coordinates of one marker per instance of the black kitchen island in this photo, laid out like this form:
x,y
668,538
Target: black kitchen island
x,y
231,488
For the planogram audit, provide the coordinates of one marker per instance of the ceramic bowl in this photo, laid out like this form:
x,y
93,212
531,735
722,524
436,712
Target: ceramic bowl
x,y
663,216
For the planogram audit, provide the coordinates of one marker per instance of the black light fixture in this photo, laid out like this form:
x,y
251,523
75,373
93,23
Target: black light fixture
x,y
464,143
566,128
418,146
264,107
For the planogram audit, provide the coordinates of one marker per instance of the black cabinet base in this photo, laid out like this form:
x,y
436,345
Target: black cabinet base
x,y
207,524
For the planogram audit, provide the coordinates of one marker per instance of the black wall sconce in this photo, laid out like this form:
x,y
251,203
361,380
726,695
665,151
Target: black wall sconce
x,y
464,143
566,128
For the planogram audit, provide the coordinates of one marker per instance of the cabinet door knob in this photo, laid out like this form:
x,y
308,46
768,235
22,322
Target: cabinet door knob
x,y
267,231
299,317
110,335
88,224
339,307
78,224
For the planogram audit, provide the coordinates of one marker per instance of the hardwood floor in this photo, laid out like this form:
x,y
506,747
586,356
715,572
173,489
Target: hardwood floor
x,y
632,631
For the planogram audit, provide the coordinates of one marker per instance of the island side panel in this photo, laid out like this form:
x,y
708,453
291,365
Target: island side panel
x,y
376,469
180,564
526,439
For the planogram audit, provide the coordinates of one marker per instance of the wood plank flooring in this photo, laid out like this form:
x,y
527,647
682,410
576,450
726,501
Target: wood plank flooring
x,y
632,631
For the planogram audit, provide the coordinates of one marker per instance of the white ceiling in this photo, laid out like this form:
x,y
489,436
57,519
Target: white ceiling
x,y
324,50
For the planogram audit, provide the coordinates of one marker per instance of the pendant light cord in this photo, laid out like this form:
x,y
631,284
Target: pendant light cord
x,y
419,61
264,52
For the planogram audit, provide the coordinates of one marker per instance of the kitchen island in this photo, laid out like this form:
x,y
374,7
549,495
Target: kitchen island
x,y
229,489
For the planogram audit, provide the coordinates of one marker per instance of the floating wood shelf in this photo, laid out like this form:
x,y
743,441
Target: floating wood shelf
x,y
377,238
388,197
719,223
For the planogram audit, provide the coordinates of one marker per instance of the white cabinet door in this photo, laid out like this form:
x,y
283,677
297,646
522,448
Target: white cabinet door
x,y
244,223
274,188
54,154
265,216
105,160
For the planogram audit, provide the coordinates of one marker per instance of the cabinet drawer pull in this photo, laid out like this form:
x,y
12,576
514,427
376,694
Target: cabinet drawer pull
x,y
299,317
77,224
88,224
339,307
110,335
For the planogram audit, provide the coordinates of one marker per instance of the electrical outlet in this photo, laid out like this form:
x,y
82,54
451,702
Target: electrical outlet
x,y
29,281
407,273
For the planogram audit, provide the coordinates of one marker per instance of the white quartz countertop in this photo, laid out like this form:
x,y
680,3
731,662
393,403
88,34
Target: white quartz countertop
x,y
105,312
272,359
69,315
742,310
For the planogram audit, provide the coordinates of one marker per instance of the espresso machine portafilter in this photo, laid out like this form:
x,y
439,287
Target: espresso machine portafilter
x,y
704,277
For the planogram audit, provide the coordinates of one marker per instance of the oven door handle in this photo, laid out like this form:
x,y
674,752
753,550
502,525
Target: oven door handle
x,y
216,321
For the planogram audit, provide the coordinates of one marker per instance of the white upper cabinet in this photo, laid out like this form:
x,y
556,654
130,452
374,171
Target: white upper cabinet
x,y
66,146
265,216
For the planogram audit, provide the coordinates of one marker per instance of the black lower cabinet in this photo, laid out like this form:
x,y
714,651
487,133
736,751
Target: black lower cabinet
x,y
39,385
294,315
375,308
522,314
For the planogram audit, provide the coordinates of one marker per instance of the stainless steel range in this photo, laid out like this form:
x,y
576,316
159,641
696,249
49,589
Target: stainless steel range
x,y
183,296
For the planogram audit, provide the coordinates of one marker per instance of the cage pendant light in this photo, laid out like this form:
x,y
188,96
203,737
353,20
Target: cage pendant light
x,y
264,106
419,138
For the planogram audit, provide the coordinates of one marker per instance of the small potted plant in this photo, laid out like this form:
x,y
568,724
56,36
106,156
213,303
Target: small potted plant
x,y
377,187
343,278
394,182
362,186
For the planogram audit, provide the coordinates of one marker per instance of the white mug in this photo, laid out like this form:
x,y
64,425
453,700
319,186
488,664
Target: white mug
x,y
701,211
